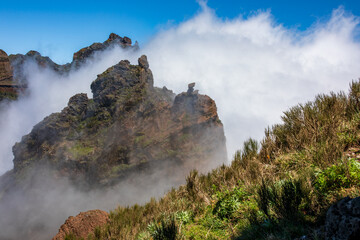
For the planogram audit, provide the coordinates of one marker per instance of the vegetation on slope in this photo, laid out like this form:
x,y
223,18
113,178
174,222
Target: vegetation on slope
x,y
278,189
8,95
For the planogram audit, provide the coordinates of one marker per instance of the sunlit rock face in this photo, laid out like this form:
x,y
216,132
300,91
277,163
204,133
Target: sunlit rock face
x,y
5,68
8,89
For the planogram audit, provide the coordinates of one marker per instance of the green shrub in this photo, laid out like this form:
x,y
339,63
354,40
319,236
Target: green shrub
x,y
183,216
249,151
287,199
349,131
264,199
342,175
72,236
229,202
165,230
250,148
8,95
353,99
282,199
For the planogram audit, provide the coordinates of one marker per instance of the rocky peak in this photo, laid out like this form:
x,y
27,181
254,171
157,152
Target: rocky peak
x,y
18,61
128,125
190,88
13,78
143,62
119,40
5,68
110,86
113,40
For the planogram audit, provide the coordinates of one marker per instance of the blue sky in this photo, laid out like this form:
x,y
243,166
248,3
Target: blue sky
x,y
59,28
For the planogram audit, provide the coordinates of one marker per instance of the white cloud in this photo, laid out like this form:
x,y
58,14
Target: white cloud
x,y
254,68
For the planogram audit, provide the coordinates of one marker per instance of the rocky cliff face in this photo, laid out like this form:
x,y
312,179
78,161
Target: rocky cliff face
x,y
8,88
5,68
129,126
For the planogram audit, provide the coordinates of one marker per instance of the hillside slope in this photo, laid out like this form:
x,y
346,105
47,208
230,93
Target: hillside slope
x,y
281,189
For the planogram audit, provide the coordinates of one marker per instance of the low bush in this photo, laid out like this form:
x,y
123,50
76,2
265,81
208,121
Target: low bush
x,y
229,202
282,199
342,175
165,230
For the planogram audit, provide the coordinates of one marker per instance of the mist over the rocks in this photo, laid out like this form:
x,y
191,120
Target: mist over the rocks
x,y
48,92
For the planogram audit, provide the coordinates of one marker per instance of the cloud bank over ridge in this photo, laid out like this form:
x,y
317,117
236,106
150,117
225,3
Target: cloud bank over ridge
x,y
255,68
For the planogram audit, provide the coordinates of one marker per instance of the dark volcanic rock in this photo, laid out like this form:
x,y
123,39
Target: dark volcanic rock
x,y
113,40
343,220
129,126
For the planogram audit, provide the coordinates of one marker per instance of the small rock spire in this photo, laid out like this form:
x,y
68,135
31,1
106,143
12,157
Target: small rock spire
x,y
191,88
143,62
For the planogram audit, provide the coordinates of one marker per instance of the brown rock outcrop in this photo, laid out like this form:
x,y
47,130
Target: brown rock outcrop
x,y
9,89
5,67
83,224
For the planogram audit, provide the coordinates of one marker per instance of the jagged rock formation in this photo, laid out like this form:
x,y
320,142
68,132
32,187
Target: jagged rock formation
x,y
82,224
13,78
129,126
343,220
114,39
18,60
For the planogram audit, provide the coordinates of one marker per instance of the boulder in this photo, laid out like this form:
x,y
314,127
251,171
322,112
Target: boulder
x,y
82,225
343,220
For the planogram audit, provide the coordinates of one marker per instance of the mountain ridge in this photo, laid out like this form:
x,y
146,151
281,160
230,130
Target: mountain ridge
x,y
13,80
